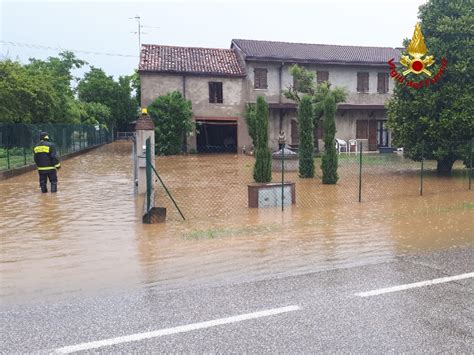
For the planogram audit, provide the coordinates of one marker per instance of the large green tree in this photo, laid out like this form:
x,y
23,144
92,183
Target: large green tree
x,y
97,86
26,97
42,92
39,91
172,115
262,171
94,113
442,114
60,71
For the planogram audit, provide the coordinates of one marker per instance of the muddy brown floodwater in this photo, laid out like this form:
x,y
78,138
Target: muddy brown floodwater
x,y
89,238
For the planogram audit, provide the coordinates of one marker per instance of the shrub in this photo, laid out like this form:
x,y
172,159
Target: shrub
x,y
172,115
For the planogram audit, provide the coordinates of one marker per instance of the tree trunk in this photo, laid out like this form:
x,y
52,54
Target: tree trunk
x,y
445,165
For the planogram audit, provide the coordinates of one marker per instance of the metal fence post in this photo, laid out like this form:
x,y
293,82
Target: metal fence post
x,y
360,172
167,191
422,160
148,178
8,158
24,155
282,177
470,162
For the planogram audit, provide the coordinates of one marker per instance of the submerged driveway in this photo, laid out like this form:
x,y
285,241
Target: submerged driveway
x,y
79,271
88,239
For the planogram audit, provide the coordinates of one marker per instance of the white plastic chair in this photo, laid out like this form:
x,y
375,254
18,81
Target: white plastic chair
x,y
353,144
341,144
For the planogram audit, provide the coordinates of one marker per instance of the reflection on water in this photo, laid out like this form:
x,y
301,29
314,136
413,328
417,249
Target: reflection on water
x,y
89,236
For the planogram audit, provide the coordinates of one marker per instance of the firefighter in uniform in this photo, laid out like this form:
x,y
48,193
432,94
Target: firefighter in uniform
x,y
47,162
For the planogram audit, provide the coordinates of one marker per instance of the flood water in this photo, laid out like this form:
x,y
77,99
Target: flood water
x,y
89,238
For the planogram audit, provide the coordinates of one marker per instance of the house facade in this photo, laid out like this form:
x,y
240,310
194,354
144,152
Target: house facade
x,y
220,82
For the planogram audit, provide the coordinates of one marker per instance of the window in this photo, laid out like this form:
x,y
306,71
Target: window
x,y
215,92
362,82
322,76
260,78
382,83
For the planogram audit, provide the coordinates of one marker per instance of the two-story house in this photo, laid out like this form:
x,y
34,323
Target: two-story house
x,y
219,83
212,79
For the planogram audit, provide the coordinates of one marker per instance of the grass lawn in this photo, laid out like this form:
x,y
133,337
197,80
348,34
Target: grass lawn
x,y
16,161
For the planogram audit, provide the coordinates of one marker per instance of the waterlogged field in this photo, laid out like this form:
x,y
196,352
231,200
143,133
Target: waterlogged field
x,y
89,237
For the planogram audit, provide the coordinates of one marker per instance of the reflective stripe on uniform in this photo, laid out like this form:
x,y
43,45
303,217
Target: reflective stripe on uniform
x,y
57,165
46,168
41,149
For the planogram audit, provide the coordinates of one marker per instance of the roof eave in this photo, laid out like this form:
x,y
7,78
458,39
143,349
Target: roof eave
x,y
344,106
341,106
172,72
303,61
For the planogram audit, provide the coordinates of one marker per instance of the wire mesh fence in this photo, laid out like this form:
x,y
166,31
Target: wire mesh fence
x,y
211,185
17,140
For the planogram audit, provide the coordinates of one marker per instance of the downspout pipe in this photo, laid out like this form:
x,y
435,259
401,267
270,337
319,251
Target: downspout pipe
x,y
185,139
280,70
184,86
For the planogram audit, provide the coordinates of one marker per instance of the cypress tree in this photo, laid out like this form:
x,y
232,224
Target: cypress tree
x,y
306,147
250,111
329,161
262,171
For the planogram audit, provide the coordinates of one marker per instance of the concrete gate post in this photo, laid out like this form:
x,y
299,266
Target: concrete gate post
x,y
145,128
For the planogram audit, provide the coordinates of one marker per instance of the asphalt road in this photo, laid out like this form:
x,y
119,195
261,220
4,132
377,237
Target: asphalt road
x,y
325,314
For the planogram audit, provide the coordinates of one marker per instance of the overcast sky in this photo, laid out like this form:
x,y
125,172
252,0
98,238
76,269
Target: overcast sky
x,y
104,26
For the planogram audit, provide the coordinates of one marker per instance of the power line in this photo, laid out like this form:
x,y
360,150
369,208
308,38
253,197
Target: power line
x,y
37,46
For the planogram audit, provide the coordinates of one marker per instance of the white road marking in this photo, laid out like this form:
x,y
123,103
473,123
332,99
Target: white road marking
x,y
175,330
416,284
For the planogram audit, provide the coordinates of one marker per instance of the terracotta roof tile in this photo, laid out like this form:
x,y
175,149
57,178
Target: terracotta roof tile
x,y
204,61
317,53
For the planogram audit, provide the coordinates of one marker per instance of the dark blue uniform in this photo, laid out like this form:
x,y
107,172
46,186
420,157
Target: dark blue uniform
x,y
47,162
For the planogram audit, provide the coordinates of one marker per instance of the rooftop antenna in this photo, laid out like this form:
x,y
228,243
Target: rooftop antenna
x,y
139,31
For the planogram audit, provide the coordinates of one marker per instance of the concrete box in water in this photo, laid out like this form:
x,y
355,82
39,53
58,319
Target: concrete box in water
x,y
270,195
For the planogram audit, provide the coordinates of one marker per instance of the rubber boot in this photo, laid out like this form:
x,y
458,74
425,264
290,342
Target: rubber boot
x,y
44,189
54,188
